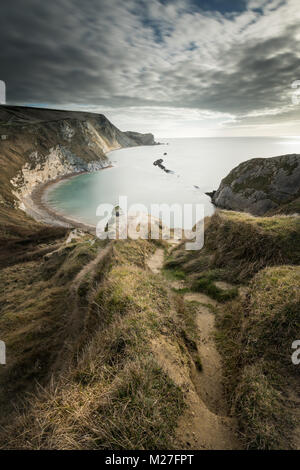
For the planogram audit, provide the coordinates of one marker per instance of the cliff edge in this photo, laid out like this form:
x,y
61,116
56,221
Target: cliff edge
x,y
38,145
262,186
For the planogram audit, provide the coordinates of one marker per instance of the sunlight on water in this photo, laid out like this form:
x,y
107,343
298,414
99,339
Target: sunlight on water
x,y
198,165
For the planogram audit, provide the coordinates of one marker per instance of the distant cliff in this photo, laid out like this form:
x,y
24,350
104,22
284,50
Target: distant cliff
x,y
140,139
262,186
37,145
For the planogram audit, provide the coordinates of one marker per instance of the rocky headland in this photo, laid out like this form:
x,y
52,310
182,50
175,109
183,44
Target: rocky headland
x,y
261,186
162,348
42,145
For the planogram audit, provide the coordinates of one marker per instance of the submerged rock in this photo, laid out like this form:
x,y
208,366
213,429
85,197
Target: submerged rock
x,y
158,162
260,185
161,166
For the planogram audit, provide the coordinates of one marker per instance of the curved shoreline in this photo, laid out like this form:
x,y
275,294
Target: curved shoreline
x,y
35,204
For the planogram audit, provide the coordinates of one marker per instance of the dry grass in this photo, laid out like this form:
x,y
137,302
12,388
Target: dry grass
x,y
206,285
255,338
238,245
114,395
255,333
35,309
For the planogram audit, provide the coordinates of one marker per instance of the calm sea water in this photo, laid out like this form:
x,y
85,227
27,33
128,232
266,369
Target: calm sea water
x,y
198,166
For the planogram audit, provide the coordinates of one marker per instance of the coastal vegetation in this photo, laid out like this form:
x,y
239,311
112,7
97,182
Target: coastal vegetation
x,y
238,245
257,320
255,337
261,186
113,393
140,344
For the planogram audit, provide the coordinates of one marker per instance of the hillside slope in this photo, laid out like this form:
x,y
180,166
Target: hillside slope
x,y
37,145
108,347
261,185
258,318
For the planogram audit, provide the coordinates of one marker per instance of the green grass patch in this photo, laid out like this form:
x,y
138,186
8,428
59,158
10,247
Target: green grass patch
x,y
238,245
208,287
255,337
174,274
116,395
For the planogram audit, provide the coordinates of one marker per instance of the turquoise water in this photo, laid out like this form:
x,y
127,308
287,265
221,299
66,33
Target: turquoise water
x,y
200,162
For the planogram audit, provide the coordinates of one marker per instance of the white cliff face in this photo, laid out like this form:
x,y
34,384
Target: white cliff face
x,y
95,140
67,131
46,144
59,162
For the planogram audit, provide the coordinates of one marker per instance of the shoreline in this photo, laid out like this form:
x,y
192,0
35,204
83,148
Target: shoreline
x,y
36,206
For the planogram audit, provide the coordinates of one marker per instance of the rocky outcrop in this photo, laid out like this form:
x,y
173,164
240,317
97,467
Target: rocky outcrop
x,y
44,144
260,185
141,139
160,165
59,162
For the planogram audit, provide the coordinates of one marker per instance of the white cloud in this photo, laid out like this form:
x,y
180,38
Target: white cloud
x,y
150,62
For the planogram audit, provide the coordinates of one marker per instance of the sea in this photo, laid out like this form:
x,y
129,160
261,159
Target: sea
x,y
195,166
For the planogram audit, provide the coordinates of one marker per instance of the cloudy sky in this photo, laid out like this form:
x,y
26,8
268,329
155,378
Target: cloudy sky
x,y
175,68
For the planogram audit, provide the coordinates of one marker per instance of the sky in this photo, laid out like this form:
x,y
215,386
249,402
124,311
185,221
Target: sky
x,y
176,68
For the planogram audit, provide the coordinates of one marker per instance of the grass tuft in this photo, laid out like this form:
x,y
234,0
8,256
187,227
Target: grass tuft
x,y
255,337
207,286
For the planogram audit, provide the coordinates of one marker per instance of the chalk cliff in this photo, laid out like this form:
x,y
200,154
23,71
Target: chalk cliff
x,y
37,145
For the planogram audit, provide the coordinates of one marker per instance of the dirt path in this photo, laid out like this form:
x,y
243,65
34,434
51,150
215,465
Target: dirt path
x,y
205,424
89,267
156,261
78,313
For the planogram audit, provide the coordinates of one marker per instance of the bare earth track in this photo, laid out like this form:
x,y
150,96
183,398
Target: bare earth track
x,y
205,424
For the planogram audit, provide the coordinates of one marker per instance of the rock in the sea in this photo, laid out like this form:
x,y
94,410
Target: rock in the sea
x,y
158,162
161,166
260,185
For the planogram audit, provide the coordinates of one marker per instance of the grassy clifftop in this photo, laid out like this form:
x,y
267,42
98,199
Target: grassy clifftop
x,y
238,245
255,337
98,307
258,321
261,185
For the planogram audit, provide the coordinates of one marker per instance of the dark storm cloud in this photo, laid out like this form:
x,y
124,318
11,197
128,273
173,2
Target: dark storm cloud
x,y
136,53
260,80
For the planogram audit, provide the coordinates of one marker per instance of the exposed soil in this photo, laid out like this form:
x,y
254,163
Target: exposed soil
x,y
156,261
76,320
206,423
